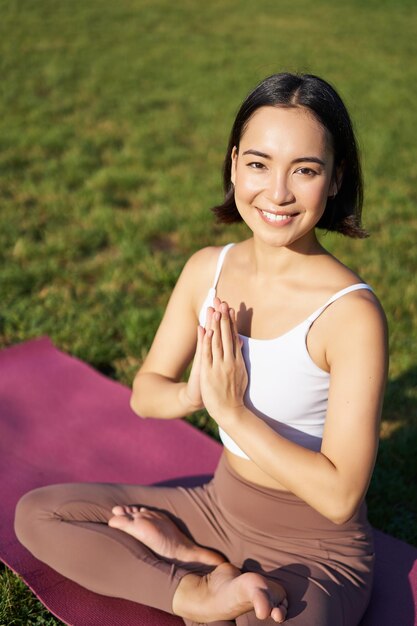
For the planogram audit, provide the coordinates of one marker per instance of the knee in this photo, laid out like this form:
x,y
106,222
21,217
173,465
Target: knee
x,y
27,513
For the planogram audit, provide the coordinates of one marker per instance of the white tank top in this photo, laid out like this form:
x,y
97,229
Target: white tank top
x,y
286,388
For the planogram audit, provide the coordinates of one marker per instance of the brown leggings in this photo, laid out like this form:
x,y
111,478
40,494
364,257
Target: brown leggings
x,y
325,568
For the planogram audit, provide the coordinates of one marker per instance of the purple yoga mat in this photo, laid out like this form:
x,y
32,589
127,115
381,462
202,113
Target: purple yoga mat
x,y
61,421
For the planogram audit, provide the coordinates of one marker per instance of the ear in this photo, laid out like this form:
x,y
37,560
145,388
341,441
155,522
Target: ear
x,y
336,181
233,157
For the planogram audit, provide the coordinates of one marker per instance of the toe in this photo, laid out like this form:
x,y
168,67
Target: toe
x,y
152,513
117,521
145,513
261,604
118,510
279,613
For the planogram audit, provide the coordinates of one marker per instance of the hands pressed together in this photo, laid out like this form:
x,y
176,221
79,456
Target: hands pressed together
x,y
218,377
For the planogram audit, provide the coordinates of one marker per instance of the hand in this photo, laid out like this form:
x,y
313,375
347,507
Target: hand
x,y
192,390
223,375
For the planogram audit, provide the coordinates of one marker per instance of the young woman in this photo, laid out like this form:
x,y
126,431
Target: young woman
x,y
289,358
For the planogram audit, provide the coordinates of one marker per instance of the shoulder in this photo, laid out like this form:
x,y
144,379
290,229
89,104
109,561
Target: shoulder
x,y
198,274
360,305
201,266
203,259
364,311
356,323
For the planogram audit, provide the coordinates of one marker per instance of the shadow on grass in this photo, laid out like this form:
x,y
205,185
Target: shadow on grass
x,y
392,497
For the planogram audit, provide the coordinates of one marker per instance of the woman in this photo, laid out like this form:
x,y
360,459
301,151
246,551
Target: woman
x,y
290,360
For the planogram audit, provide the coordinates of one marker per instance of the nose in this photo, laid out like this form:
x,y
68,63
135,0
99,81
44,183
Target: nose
x,y
279,191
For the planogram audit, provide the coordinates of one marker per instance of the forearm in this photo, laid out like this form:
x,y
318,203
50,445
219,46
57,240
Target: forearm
x,y
334,480
308,474
154,395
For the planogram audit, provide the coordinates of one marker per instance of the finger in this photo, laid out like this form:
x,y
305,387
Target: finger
x,y
216,303
207,355
209,317
235,334
237,339
216,343
226,332
200,338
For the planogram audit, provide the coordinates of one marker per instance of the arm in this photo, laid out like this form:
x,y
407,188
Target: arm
x,y
157,387
334,480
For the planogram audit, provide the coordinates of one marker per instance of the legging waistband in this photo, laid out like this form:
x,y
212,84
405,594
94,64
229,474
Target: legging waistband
x,y
278,512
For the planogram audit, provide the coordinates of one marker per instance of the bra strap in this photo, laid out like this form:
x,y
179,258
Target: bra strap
x,y
220,262
311,318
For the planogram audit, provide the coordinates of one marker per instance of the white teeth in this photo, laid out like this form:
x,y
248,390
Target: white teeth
x,y
272,217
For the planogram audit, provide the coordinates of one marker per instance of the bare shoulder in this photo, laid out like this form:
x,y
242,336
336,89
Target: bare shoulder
x,y
201,266
360,307
198,274
203,260
356,322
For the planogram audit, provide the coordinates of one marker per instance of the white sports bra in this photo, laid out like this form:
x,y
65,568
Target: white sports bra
x,y
286,388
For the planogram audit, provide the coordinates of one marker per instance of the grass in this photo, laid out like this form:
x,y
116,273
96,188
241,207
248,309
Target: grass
x,y
114,120
18,606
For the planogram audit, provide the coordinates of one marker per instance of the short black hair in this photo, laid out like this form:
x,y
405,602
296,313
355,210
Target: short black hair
x,y
342,212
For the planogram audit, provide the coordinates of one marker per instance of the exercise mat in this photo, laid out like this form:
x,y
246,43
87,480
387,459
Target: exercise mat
x,y
62,421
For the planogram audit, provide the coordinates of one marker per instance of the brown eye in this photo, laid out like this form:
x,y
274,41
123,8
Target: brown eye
x,y
306,171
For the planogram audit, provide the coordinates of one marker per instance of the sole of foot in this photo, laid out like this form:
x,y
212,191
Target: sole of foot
x,y
226,593
159,533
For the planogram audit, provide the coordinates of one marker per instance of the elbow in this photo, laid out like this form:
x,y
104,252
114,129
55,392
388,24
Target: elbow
x,y
341,518
134,405
138,407
343,511
136,401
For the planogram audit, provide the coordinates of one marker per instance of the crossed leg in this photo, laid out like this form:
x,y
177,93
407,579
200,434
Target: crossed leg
x,y
222,594
66,526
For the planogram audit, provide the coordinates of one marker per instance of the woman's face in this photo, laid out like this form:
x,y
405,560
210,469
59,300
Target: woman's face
x,y
283,175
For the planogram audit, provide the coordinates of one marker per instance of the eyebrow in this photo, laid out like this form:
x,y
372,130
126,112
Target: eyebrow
x,y
309,159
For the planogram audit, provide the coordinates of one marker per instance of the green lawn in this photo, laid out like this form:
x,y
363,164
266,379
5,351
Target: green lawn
x,y
114,118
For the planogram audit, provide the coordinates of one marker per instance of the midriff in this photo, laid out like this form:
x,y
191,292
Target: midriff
x,y
251,472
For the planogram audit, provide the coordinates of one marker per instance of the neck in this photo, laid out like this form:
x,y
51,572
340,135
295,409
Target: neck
x,y
269,261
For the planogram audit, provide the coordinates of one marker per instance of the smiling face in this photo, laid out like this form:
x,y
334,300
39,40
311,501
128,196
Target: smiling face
x,y
283,175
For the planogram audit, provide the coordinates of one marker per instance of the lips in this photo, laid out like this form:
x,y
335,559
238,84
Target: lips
x,y
276,218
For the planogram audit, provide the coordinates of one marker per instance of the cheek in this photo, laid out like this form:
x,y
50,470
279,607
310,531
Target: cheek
x,y
316,192
246,193
247,186
318,200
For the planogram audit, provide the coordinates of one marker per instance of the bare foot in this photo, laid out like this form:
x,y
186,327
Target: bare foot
x,y
225,594
157,531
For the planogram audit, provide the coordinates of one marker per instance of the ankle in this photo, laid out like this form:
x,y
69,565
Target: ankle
x,y
206,556
188,590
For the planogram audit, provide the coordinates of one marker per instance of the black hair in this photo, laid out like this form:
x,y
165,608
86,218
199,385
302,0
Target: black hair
x,y
343,211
